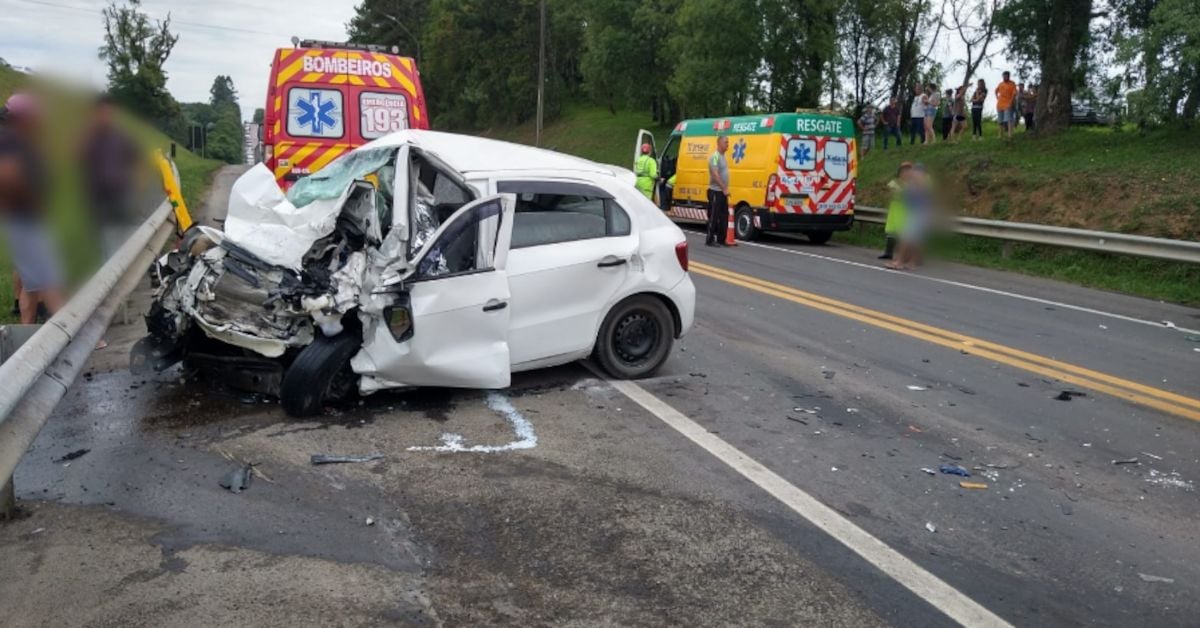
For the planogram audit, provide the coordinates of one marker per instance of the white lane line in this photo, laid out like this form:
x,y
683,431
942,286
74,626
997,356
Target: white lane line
x,y
969,286
912,576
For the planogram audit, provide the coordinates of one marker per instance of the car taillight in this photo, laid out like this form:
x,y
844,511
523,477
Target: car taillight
x,y
681,254
771,196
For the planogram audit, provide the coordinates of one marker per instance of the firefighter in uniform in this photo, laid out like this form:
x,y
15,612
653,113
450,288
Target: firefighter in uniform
x,y
718,194
646,171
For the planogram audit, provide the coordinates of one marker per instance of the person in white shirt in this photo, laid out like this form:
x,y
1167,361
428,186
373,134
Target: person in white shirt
x,y
916,128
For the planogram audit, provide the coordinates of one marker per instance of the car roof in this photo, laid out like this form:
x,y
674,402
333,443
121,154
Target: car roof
x,y
472,154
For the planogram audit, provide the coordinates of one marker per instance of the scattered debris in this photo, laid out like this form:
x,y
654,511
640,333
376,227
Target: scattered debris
x,y
1087,444
1149,578
913,428
990,474
328,459
78,453
1150,455
370,521
805,410
37,531
239,479
1169,325
995,465
953,469
973,485
1067,395
1126,461
929,471
929,526
1034,438
833,468
792,418
1171,479
852,410
951,456
1104,327
1193,338
829,374
1066,509
912,387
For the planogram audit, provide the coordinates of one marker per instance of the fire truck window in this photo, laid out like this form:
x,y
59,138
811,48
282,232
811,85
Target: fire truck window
x,y
381,113
314,112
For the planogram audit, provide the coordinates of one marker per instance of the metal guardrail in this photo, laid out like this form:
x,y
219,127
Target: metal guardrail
x,y
1084,239
38,374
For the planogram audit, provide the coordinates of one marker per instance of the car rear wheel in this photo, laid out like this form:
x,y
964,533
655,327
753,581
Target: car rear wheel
x,y
320,373
636,338
818,237
743,224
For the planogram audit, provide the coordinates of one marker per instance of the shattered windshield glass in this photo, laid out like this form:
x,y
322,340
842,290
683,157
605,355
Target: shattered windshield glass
x,y
332,180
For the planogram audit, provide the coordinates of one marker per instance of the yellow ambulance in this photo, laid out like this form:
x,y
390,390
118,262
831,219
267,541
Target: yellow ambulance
x,y
787,172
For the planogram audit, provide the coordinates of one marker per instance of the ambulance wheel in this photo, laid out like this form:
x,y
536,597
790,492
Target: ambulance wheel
x,y
743,224
321,373
818,237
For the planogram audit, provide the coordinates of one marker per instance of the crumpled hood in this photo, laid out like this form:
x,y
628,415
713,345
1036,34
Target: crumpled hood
x,y
264,222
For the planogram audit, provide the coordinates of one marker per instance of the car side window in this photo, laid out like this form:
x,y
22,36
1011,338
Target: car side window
x,y
551,213
467,245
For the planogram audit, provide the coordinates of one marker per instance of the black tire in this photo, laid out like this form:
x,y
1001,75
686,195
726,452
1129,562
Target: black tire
x,y
636,338
320,373
743,224
818,237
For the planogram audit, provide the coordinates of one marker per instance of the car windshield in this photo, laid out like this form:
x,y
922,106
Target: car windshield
x,y
332,180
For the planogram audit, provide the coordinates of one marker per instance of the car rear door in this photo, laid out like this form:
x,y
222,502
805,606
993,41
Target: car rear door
x,y
573,248
449,324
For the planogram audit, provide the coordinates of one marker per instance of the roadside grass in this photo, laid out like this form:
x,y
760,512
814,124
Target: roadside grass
x,y
1106,178
74,232
1153,279
590,132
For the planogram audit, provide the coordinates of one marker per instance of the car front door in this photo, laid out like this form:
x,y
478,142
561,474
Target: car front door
x,y
573,248
447,324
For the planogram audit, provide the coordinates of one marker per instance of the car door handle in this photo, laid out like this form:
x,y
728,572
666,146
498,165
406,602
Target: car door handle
x,y
612,261
495,305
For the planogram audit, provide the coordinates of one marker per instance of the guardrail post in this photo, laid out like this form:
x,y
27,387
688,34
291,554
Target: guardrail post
x,y
8,501
1006,250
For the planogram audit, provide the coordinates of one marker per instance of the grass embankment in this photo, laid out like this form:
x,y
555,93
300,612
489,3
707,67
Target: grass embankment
x,y
1097,178
73,228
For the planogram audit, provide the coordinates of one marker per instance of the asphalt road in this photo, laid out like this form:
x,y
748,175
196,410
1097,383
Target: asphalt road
x,y
687,508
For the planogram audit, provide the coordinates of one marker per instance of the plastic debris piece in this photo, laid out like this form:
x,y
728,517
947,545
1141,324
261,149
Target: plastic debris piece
x,y
973,485
953,469
929,526
1148,454
1126,461
239,479
370,521
913,428
1149,578
792,418
78,453
1068,395
929,471
328,459
37,531
912,387
1168,324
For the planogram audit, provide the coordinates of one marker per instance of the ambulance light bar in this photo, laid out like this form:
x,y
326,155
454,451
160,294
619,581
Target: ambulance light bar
x,y
341,45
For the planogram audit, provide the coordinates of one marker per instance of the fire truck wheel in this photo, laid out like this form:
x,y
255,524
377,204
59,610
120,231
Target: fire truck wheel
x,y
818,237
743,224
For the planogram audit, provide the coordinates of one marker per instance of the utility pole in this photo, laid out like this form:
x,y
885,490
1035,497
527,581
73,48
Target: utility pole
x,y
541,91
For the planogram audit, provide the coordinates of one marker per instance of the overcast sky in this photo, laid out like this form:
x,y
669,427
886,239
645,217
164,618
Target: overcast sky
x,y
234,37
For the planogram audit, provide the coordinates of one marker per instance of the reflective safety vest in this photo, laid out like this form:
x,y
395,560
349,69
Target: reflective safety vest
x,y
646,171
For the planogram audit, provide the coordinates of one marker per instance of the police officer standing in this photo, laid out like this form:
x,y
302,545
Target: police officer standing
x,y
718,195
646,171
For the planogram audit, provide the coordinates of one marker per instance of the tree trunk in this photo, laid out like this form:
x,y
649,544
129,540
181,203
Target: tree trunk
x,y
1067,31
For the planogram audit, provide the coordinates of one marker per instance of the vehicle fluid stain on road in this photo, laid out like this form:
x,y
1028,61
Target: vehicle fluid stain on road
x,y
498,403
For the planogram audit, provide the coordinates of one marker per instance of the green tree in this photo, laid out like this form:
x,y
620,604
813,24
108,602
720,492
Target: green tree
x,y
259,114
1054,35
135,49
398,23
625,61
717,48
798,46
1159,43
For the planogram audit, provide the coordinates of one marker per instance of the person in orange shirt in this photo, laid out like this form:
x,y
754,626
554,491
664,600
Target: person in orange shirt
x,y
1006,105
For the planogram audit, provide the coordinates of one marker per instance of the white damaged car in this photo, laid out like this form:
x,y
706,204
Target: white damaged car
x,y
423,259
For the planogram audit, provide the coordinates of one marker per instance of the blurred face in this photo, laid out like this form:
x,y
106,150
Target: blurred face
x,y
722,144
1007,76
103,114
892,102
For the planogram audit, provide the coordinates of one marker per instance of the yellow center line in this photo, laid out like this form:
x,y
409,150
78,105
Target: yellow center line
x,y
1166,401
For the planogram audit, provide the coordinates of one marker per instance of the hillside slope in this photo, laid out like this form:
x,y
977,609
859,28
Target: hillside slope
x,y
1097,178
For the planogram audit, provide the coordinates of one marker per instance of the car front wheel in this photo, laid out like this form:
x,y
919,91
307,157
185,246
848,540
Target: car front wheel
x,y
319,374
636,338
